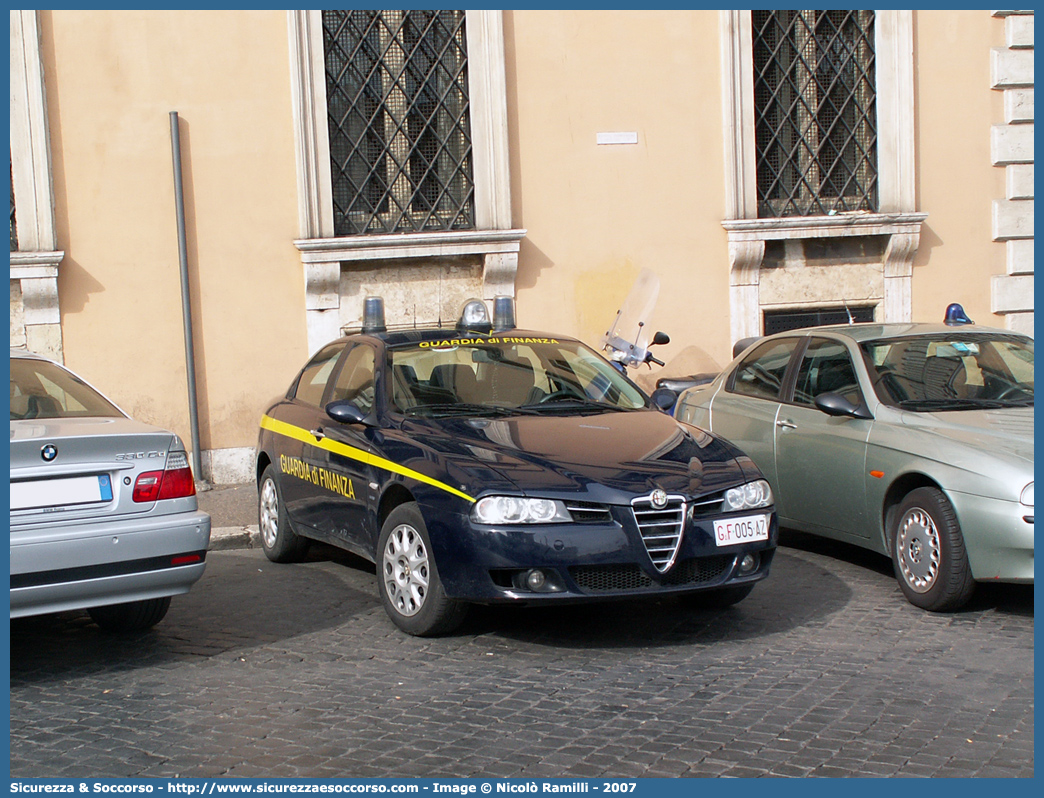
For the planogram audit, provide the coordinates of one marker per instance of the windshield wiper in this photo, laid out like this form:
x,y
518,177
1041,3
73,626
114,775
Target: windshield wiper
x,y
571,403
465,409
926,405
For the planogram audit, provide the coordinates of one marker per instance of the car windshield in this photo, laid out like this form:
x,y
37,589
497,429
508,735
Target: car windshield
x,y
953,371
500,375
40,389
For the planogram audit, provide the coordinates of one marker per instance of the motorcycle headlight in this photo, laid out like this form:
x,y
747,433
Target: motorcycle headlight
x,y
1027,495
518,510
748,497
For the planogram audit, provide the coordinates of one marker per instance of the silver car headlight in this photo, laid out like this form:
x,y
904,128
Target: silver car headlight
x,y
519,510
1027,495
748,497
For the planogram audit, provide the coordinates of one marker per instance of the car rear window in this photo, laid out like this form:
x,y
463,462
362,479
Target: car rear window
x,y
40,389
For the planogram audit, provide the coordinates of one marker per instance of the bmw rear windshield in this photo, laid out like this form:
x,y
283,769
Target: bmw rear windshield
x,y
40,389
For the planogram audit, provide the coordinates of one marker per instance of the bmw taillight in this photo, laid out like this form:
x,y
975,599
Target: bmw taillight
x,y
174,482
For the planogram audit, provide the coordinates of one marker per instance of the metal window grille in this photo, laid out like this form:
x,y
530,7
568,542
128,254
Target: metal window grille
x,y
400,136
815,117
14,229
776,321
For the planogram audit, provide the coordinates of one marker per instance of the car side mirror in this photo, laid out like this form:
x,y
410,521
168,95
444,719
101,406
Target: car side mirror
x,y
347,412
834,404
664,398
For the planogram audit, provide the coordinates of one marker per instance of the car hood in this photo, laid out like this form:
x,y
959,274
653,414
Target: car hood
x,y
1003,431
604,457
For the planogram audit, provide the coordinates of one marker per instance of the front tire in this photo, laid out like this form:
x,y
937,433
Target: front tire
x,y
132,616
928,552
278,540
408,579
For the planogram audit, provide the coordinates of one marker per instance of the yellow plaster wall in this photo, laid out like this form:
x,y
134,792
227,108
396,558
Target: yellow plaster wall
x,y
596,215
956,183
112,79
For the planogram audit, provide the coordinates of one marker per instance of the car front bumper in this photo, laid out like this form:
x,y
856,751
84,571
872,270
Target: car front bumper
x,y
67,567
998,536
583,562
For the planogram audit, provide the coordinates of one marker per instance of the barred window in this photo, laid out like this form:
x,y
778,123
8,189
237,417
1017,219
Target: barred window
x,y
400,137
815,117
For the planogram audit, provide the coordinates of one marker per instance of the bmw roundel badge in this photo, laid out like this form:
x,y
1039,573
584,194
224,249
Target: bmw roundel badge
x,y
659,499
49,452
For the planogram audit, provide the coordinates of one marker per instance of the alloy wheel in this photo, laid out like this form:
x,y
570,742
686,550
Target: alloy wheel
x,y
405,566
269,513
918,550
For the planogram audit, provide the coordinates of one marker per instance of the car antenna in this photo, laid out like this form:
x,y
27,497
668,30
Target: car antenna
x,y
851,320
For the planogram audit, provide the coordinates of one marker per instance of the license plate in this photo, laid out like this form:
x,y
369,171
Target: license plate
x,y
60,492
748,529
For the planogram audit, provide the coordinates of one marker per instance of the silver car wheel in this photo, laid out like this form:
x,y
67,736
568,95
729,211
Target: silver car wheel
x,y
918,550
405,566
269,513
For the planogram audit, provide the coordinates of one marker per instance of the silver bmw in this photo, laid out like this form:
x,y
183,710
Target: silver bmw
x,y
103,508
914,440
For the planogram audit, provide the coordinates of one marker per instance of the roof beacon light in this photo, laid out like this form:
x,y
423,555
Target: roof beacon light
x,y
474,317
373,315
503,313
955,316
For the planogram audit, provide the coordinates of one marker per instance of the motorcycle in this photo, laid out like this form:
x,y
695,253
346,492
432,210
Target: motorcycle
x,y
627,341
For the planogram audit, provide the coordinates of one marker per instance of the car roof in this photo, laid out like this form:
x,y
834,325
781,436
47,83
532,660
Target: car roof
x,y
869,331
399,337
25,354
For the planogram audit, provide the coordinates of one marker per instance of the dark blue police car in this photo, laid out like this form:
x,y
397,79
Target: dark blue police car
x,y
486,464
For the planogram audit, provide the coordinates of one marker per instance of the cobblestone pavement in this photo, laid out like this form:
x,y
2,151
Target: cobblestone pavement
x,y
294,671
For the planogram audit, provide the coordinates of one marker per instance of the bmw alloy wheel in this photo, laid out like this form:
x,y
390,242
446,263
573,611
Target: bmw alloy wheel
x,y
918,550
405,568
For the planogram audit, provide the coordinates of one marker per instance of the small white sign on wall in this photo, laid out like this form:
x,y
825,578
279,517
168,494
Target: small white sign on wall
x,y
618,138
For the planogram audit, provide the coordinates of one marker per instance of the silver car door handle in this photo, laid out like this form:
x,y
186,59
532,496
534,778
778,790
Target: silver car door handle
x,y
786,425
318,433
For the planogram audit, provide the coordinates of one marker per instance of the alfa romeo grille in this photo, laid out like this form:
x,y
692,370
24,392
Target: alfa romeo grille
x,y
615,578
587,512
661,528
707,505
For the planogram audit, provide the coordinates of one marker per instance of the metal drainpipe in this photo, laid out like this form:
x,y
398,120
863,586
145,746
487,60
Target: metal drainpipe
x,y
186,303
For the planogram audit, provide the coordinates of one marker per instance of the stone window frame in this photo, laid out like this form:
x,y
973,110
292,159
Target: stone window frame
x,y
35,264
322,254
896,216
1011,149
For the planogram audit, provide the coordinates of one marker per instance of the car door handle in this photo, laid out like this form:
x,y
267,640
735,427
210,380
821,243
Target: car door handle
x,y
786,425
318,433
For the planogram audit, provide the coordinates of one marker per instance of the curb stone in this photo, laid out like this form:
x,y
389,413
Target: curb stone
x,y
227,538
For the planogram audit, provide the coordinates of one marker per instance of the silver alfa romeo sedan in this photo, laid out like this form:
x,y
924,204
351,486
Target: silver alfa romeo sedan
x,y
913,440
103,508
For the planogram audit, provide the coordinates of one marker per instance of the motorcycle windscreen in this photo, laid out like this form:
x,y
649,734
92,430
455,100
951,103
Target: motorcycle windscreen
x,y
628,338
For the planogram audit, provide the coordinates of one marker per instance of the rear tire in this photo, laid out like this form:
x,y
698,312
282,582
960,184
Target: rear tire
x,y
133,616
278,540
928,552
408,579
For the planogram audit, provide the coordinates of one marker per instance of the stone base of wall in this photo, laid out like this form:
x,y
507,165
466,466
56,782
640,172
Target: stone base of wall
x,y
227,466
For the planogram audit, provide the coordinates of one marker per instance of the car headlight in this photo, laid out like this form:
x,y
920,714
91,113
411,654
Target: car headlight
x,y
747,497
1027,495
518,510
